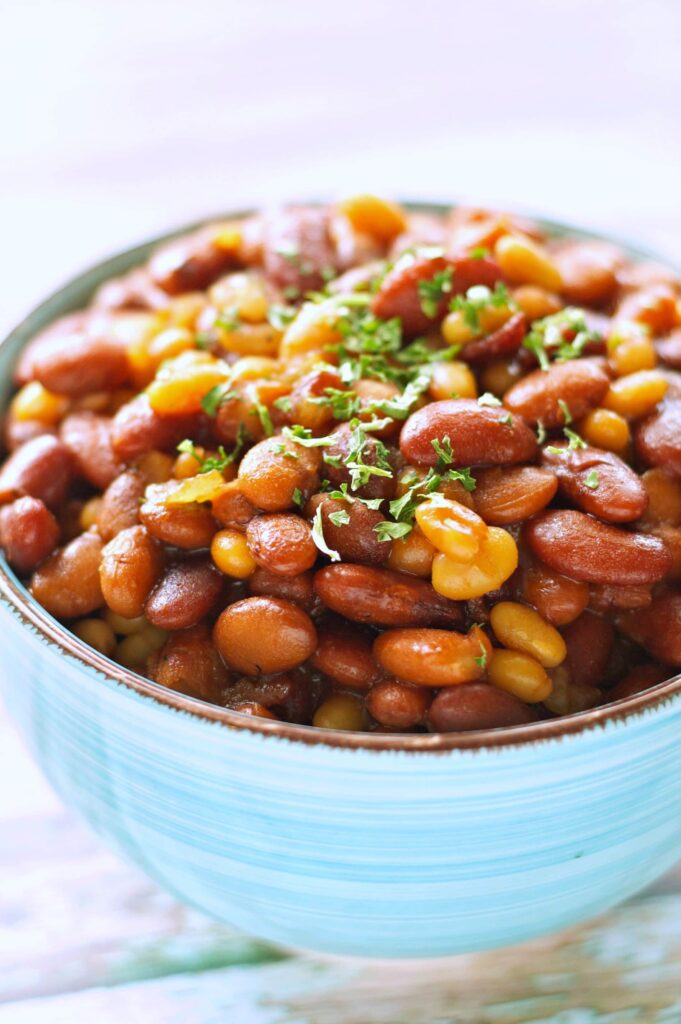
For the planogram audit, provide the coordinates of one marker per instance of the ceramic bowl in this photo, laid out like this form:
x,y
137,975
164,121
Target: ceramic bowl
x,y
373,845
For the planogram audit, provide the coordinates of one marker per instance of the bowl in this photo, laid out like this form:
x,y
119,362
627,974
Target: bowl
x,y
364,844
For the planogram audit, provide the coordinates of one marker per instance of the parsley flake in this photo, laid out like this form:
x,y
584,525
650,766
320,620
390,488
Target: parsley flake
x,y
443,450
391,531
217,396
591,480
318,536
433,291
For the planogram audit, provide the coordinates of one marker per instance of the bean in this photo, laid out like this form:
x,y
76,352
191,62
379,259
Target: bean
x,y
191,264
380,597
582,547
433,657
521,629
638,679
232,508
355,539
292,588
304,407
344,653
185,594
67,583
589,640
88,438
137,429
97,633
479,435
79,363
28,533
268,476
589,272
189,526
293,696
664,497
476,706
134,292
557,598
603,598
492,566
41,468
653,305
514,493
542,396
298,248
657,627
131,564
281,543
658,438
341,711
412,554
598,482
669,348
339,452
567,698
399,295
264,635
121,504
503,342
17,432
398,705
189,663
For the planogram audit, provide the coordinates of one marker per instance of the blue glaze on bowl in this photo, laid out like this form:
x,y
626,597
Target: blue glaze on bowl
x,y
373,846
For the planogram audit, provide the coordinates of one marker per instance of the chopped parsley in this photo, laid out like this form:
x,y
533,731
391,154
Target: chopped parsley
x,y
340,518
360,470
565,409
318,536
228,320
575,441
541,432
303,436
433,291
489,399
219,461
280,316
562,336
399,407
591,480
298,497
476,299
480,252
464,477
443,450
420,352
263,414
392,531
284,404
481,659
217,396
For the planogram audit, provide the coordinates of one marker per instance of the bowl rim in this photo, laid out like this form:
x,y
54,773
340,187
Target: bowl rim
x,y
33,615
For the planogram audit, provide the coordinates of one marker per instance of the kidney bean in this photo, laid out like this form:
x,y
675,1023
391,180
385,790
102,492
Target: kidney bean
x,y
136,429
88,438
514,493
598,482
28,533
399,296
264,635
480,435
557,598
304,409
293,696
589,641
232,508
582,547
192,263
658,437
185,594
589,272
603,598
398,705
671,537
355,540
121,504
344,653
281,543
292,588
189,526
376,486
298,248
79,363
41,468
189,663
638,679
67,583
476,706
499,344
134,292
17,432
579,384
268,476
380,597
653,304
64,328
433,657
130,566
657,627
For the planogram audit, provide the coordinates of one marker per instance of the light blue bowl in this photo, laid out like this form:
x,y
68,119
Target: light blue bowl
x,y
346,843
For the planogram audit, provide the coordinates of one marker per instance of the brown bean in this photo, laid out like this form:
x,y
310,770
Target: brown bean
x,y
131,564
398,705
232,508
88,438
66,327
657,627
292,588
344,652
281,543
298,248
542,396
121,504
355,539
589,272
264,635
653,304
476,706
638,679
501,343
304,407
67,583
268,476
433,657
293,696
603,599
658,438
134,292
41,468
381,597
189,526
338,474
557,598
399,295
669,348
185,594
191,263
582,547
137,429
480,435
589,641
189,663
17,432
598,482
28,533
514,493
80,363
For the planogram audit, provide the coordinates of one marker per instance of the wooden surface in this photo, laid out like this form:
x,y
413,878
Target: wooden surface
x,y
85,937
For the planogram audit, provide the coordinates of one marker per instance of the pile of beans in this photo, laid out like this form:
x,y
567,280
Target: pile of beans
x,y
362,468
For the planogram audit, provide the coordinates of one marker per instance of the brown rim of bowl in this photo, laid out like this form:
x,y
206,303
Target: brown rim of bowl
x,y
32,614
